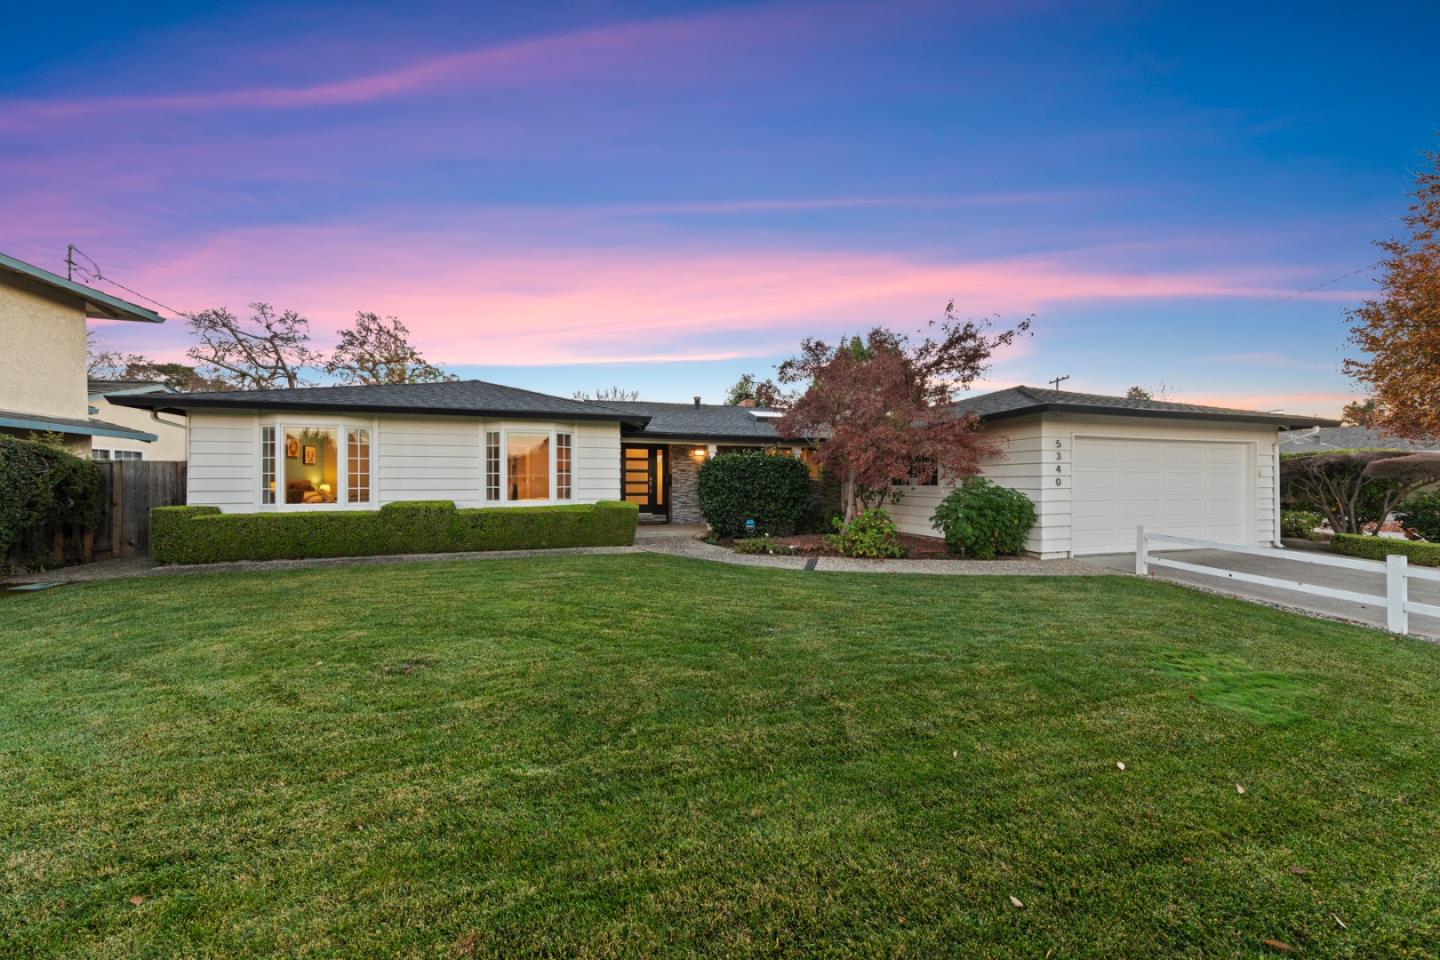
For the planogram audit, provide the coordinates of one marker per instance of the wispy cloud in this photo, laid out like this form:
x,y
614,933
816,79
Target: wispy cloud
x,y
635,48
476,302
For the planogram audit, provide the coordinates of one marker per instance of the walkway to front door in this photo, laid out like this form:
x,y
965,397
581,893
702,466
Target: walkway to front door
x,y
645,480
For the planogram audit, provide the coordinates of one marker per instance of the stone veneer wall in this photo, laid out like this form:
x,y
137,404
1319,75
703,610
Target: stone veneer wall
x,y
684,485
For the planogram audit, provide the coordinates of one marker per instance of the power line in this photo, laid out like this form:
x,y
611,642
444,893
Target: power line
x,y
94,273
1300,293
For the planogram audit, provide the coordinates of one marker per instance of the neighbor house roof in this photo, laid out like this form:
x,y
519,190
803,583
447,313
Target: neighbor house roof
x,y
39,423
689,421
96,304
1349,438
106,388
1023,401
455,398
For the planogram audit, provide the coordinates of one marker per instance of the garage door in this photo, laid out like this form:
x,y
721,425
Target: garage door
x,y
1176,487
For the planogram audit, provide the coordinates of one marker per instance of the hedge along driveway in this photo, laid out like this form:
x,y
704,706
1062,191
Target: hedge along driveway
x,y
205,535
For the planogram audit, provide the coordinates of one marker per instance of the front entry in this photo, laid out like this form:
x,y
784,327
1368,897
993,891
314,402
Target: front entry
x,y
644,480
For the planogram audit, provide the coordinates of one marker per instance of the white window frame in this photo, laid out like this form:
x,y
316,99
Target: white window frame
x,y
341,426
550,429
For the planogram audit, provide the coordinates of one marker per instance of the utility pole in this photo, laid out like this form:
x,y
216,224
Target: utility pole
x,y
69,261
1058,380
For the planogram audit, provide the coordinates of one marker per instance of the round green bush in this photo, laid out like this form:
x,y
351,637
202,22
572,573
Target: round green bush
x,y
871,534
1421,513
772,490
983,520
1299,524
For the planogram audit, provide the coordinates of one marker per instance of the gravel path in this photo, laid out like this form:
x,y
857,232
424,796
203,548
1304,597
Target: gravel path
x,y
1024,567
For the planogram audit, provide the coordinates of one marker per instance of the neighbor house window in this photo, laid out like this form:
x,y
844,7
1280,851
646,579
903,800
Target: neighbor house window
x,y
492,465
357,465
117,455
527,463
267,464
312,465
562,466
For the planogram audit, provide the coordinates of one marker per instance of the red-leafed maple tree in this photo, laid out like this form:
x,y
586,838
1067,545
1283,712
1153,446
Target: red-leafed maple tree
x,y
1400,329
883,405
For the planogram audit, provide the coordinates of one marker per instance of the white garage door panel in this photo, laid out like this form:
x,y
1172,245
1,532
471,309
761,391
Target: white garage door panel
x,y
1178,487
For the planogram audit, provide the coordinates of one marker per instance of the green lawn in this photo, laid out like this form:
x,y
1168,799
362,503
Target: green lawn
x,y
643,756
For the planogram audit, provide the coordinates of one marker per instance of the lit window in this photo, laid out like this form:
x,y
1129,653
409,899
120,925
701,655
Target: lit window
x,y
527,461
357,466
562,466
492,465
267,464
311,465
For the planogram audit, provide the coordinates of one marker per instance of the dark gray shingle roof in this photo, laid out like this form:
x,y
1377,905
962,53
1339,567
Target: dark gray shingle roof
x,y
708,421
455,398
1348,438
1020,401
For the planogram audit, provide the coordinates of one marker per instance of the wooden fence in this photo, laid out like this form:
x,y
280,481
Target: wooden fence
x,y
132,487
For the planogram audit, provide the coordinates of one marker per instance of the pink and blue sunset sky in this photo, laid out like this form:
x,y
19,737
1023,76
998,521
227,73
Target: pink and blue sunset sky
x,y
664,196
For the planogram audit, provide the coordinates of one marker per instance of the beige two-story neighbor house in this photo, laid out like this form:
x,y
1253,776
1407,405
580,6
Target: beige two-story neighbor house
x,y
43,384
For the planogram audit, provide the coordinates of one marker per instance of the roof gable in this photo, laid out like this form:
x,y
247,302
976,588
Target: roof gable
x,y
97,305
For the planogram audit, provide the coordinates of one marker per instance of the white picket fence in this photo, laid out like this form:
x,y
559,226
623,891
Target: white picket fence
x,y
1396,568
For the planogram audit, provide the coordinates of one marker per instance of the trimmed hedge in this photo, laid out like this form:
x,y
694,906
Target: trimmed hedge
x,y
41,483
1377,548
205,535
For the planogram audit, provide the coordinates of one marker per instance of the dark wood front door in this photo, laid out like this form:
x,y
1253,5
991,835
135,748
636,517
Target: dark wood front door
x,y
644,479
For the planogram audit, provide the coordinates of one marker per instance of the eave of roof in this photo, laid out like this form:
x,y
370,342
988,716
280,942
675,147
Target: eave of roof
x,y
1038,401
98,305
67,425
181,403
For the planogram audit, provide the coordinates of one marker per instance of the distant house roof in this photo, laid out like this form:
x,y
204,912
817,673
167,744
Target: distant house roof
x,y
1023,401
106,388
38,423
1348,438
454,398
96,304
688,421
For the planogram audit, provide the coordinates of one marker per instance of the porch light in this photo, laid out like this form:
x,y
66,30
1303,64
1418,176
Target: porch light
x,y
698,453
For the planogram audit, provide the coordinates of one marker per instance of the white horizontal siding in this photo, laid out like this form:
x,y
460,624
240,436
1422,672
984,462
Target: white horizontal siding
x,y
223,463
597,461
428,458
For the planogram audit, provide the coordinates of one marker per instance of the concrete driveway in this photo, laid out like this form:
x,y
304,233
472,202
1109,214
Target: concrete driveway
x,y
1371,615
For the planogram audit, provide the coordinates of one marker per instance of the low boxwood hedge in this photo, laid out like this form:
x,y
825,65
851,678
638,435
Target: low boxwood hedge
x,y
1377,548
205,535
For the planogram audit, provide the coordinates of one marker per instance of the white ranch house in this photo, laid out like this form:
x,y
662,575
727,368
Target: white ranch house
x,y
1095,466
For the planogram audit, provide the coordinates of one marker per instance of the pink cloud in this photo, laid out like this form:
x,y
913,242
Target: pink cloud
x,y
472,297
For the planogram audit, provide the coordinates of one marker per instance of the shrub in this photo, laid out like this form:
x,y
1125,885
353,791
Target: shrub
x,y
871,534
772,490
825,507
1299,524
1378,548
205,535
765,545
981,519
1421,513
39,484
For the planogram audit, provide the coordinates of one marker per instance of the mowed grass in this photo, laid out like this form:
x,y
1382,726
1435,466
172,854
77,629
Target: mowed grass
x,y
647,756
